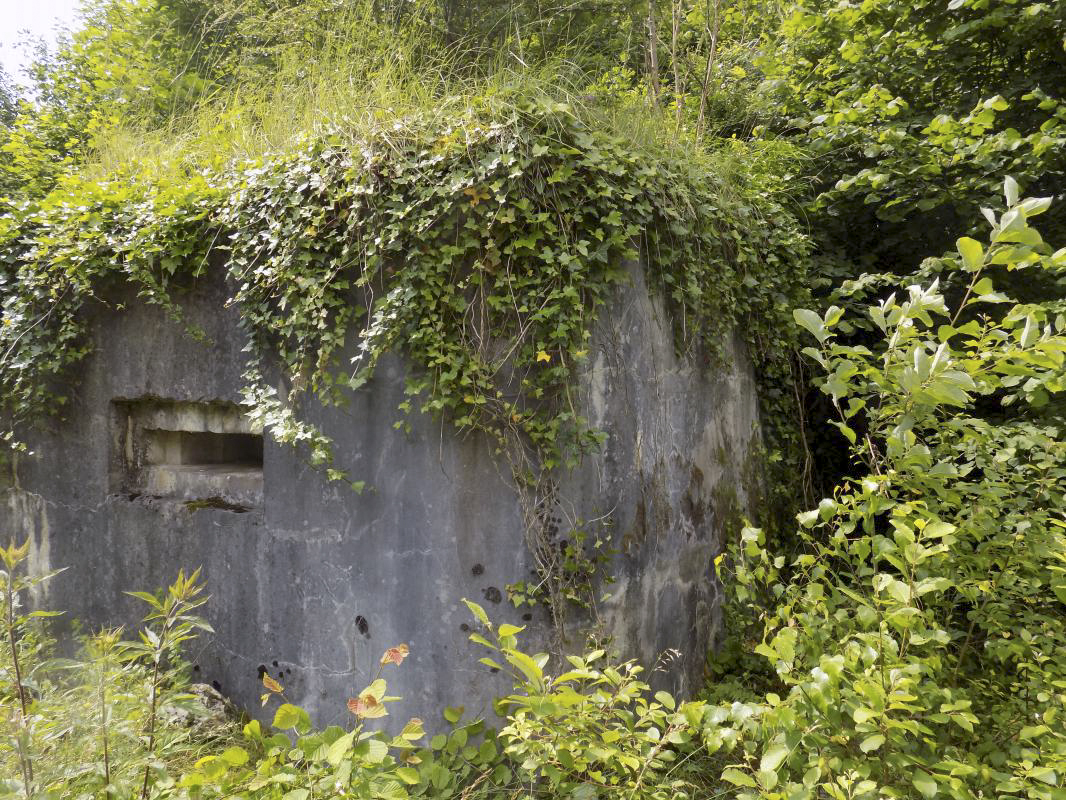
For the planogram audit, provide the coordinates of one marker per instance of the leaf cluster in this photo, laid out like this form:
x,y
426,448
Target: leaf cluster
x,y
918,636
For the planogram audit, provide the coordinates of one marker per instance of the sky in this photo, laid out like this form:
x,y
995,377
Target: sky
x,y
39,17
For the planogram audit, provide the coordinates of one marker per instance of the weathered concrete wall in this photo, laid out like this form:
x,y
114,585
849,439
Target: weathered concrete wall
x,y
315,581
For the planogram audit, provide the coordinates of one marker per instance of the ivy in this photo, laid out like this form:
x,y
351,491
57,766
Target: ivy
x,y
59,257
482,249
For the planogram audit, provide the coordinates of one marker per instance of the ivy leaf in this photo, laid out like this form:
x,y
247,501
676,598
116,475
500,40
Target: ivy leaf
x,y
476,194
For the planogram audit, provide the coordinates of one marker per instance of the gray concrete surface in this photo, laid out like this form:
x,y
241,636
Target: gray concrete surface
x,y
313,582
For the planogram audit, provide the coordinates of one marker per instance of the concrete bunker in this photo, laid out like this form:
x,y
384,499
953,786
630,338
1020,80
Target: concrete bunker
x,y
144,474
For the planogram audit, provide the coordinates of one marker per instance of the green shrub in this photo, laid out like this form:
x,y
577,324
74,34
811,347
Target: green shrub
x,y
118,720
920,635
595,730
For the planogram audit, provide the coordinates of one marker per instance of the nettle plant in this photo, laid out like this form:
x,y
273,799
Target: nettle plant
x,y
920,637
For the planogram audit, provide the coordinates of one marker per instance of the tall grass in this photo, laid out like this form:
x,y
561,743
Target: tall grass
x,y
369,80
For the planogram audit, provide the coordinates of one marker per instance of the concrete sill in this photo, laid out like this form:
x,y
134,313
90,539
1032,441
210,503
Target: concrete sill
x,y
236,484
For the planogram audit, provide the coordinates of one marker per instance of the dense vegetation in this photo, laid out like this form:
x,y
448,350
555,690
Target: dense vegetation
x,y
859,186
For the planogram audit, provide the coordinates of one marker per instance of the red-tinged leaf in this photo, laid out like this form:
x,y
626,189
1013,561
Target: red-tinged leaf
x,y
395,655
366,707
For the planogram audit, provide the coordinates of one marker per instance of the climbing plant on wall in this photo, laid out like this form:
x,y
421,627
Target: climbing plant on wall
x,y
481,250
480,247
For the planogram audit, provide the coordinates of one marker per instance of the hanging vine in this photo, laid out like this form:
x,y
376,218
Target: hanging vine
x,y
481,250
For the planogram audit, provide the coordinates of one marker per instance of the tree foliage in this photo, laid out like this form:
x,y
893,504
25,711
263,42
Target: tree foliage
x,y
8,100
916,110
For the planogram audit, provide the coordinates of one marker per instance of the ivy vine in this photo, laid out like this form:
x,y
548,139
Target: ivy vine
x,y
482,250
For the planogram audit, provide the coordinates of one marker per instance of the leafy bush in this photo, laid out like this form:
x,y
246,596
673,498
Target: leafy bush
x,y
594,730
118,720
920,636
107,724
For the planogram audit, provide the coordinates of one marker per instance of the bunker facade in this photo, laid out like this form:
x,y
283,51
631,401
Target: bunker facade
x,y
154,468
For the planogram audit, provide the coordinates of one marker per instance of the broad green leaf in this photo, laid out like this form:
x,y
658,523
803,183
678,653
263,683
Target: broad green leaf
x,y
773,757
413,730
376,750
288,717
812,322
971,251
738,778
487,752
1035,205
478,612
340,748
925,783
1010,194
871,743
235,756
863,714
528,667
